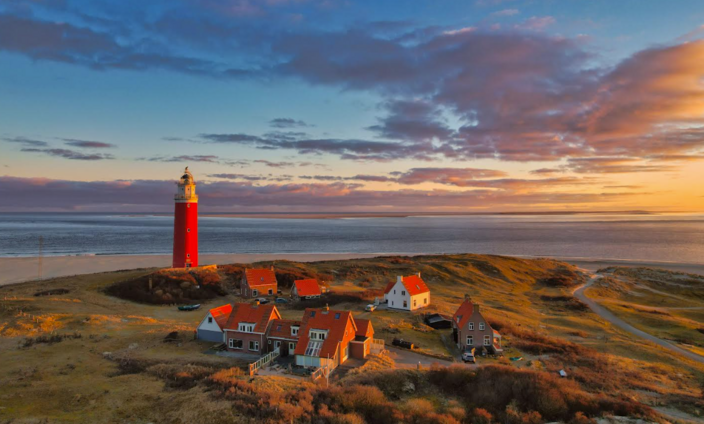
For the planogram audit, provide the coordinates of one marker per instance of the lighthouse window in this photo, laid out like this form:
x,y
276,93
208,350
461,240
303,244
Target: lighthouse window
x,y
188,255
188,230
188,205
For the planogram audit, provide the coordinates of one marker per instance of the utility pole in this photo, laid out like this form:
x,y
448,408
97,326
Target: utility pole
x,y
41,256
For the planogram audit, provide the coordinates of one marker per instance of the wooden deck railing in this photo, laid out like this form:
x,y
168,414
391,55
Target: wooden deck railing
x,y
263,361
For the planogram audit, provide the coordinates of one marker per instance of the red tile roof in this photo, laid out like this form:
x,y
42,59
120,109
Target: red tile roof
x,y
464,312
364,327
281,328
335,322
221,314
260,315
260,277
413,283
308,287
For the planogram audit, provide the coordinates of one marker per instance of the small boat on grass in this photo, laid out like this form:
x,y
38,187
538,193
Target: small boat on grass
x,y
516,358
189,307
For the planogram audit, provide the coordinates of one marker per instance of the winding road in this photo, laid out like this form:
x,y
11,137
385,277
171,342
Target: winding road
x,y
618,322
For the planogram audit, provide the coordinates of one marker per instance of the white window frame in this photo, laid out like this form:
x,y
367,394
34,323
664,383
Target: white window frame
x,y
291,346
277,344
313,348
481,326
246,327
470,341
317,334
256,345
294,330
487,341
471,326
255,292
231,344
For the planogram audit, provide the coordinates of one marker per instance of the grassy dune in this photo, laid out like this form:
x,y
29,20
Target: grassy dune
x,y
114,365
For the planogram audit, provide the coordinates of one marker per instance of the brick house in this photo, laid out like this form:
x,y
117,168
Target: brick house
x,y
361,345
471,330
211,328
305,289
324,338
283,334
258,282
247,327
407,293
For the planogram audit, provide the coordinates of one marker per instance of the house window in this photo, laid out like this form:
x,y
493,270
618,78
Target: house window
x,y
291,346
470,341
313,348
487,341
254,345
210,320
255,293
471,326
481,326
294,330
235,344
425,300
414,303
405,304
403,292
394,291
457,318
246,327
337,316
271,292
277,344
392,303
317,334
312,314
347,351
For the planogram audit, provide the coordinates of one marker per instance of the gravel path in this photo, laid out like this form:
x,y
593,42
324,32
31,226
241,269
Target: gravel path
x,y
618,322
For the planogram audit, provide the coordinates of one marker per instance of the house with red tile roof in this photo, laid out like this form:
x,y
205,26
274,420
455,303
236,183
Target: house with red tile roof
x,y
247,327
471,331
210,329
407,293
258,282
305,289
283,335
324,338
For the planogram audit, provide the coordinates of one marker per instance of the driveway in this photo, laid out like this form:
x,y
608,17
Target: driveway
x,y
618,322
407,359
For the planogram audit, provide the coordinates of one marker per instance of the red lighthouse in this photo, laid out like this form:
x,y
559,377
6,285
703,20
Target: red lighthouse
x,y
186,223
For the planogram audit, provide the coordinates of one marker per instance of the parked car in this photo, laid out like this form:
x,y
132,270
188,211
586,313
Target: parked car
x,y
403,343
370,308
468,356
281,300
262,300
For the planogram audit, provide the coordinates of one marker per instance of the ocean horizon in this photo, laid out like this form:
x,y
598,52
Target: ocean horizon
x,y
615,236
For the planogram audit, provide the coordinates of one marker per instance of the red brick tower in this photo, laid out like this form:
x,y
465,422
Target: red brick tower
x,y
186,223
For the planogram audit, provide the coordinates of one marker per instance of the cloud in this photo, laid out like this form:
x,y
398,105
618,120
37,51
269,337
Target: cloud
x,y
26,142
88,144
287,123
614,165
184,158
460,177
536,23
227,196
246,177
70,154
412,120
506,12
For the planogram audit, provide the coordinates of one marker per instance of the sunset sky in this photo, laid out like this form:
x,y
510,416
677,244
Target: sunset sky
x,y
326,105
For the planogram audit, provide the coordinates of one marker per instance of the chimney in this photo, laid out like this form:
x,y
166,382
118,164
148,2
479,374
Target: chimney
x,y
399,279
467,297
272,267
256,302
418,274
327,308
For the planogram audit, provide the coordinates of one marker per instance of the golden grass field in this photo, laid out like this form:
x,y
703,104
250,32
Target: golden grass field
x,y
114,366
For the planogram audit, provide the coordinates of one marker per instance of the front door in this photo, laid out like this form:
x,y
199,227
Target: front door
x,y
277,345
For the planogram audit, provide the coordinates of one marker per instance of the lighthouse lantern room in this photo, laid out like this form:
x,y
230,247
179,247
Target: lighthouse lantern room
x,y
186,223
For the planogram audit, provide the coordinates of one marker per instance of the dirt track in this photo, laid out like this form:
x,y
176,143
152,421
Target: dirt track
x,y
618,322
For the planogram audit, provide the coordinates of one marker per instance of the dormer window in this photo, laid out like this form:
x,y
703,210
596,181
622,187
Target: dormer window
x,y
317,334
294,330
312,314
337,315
246,327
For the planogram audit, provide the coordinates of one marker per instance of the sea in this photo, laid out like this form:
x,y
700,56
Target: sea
x,y
638,237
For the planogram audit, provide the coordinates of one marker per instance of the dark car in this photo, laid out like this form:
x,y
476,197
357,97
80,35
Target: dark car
x,y
262,300
281,300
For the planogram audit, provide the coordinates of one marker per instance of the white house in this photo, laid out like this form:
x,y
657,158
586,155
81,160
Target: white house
x,y
211,328
407,293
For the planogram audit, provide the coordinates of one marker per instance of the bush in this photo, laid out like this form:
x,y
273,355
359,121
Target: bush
x,y
481,416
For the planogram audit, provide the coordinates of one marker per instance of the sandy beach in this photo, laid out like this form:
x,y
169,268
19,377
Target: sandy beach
x,y
17,270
